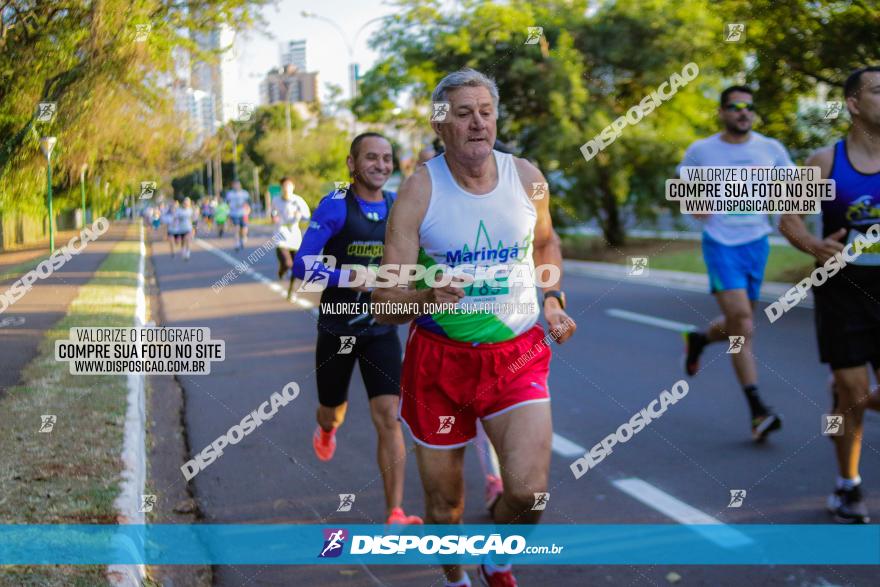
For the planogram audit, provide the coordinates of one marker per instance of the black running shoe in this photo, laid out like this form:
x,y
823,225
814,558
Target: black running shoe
x,y
694,343
848,507
765,424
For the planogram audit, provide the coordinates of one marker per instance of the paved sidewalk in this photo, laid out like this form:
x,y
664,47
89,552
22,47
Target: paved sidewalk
x,y
683,280
687,235
24,323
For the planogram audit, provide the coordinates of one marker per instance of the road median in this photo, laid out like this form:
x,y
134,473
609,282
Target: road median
x,y
66,431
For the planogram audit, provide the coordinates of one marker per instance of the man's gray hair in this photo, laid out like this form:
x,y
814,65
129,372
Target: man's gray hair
x,y
465,78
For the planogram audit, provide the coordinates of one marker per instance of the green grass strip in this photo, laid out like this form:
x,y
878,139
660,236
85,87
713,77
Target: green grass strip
x,y
70,475
22,268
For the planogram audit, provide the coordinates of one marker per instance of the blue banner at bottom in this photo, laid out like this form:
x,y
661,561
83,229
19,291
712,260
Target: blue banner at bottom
x,y
257,544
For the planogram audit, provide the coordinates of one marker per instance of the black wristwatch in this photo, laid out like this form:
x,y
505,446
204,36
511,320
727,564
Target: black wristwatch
x,y
559,295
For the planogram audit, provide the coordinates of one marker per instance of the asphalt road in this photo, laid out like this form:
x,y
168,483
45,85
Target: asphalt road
x,y
697,452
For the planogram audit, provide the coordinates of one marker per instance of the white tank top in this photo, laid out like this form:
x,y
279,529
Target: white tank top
x,y
492,230
289,212
182,222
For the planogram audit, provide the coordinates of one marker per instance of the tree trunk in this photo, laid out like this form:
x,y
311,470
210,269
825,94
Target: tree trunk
x,y
612,227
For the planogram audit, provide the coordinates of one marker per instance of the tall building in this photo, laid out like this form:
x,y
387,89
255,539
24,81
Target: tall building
x,y
294,53
195,107
231,74
206,76
289,84
182,69
219,76
197,110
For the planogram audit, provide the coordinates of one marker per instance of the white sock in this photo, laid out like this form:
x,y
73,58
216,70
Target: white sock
x,y
847,484
465,582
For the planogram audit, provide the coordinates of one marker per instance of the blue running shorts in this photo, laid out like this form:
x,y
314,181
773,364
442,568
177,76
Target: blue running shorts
x,y
736,267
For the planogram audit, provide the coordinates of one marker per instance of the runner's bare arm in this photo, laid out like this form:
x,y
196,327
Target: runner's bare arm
x,y
795,230
402,247
547,250
689,160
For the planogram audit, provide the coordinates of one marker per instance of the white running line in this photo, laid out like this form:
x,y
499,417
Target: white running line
x,y
682,513
650,320
254,274
566,448
663,502
134,457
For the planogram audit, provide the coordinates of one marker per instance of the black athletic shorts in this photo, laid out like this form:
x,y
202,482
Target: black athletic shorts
x,y
379,356
848,318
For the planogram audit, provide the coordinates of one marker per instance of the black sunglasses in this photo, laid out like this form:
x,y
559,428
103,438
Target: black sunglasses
x,y
737,106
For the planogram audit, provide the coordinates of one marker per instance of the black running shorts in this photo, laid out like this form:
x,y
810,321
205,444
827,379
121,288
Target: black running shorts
x,y
848,318
379,356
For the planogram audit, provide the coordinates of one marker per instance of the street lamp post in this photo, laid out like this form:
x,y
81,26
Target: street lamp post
x,y
46,145
82,190
234,135
235,155
209,166
286,85
257,187
107,197
287,117
350,46
218,171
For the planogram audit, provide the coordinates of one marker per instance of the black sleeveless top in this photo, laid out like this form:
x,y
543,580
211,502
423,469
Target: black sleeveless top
x,y
360,242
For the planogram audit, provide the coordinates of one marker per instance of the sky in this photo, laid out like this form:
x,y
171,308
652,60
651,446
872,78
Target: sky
x,y
256,53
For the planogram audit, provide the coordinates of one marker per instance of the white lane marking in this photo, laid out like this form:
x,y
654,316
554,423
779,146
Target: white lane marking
x,y
566,448
650,320
682,513
256,275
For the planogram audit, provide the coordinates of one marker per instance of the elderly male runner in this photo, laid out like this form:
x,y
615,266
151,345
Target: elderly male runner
x,y
735,249
848,304
471,206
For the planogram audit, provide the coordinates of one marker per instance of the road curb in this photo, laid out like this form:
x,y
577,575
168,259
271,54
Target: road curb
x,y
686,235
134,442
169,448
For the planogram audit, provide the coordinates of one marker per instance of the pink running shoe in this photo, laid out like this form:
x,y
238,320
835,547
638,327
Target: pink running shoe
x,y
398,517
324,443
